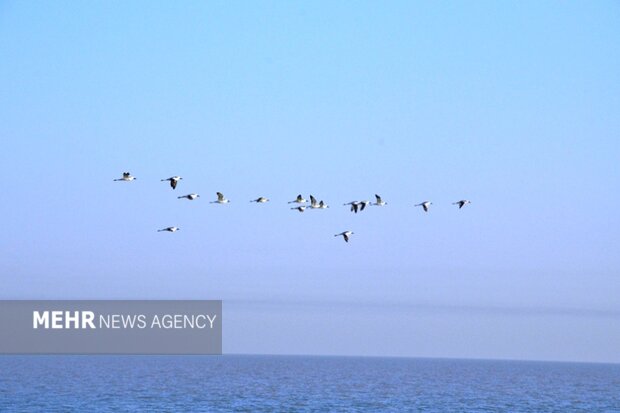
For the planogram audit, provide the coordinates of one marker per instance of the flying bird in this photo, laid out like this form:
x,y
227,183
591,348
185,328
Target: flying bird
x,y
173,181
379,202
191,197
426,205
299,200
363,204
169,229
354,205
220,199
126,177
323,205
313,203
260,200
345,235
301,208
461,203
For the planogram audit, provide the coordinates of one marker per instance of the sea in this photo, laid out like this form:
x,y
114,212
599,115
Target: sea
x,y
248,383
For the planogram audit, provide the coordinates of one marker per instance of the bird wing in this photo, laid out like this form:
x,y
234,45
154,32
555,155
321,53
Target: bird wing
x,y
220,196
173,183
362,206
378,198
425,207
346,237
312,200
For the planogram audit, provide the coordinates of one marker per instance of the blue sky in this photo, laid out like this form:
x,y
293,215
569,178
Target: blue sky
x,y
512,105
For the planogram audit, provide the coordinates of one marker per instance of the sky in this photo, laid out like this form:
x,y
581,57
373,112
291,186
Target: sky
x,y
513,105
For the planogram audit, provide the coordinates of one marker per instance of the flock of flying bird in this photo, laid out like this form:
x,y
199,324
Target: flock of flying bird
x,y
356,206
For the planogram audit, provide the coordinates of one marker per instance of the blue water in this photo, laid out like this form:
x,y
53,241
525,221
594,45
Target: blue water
x,y
304,384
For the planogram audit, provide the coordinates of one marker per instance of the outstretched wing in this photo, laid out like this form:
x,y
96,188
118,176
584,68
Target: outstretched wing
x,y
346,237
220,196
173,183
378,198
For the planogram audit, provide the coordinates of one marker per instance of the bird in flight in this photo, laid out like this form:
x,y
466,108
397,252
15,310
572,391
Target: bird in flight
x,y
313,203
363,204
345,235
173,181
461,203
126,177
301,208
354,205
260,200
220,199
299,200
357,205
191,197
425,205
379,202
169,229
323,205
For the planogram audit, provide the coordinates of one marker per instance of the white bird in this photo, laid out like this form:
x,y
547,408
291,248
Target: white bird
x,y
357,205
363,204
345,235
191,197
426,205
323,205
379,202
354,205
220,199
169,229
461,203
313,203
260,200
126,177
173,181
299,200
300,208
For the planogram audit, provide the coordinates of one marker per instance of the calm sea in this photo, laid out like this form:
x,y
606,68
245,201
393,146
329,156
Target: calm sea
x,y
304,384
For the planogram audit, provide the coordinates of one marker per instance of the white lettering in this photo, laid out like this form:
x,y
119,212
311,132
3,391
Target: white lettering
x,y
87,319
56,319
38,319
75,319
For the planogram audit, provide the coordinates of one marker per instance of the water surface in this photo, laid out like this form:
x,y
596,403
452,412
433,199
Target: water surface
x,y
302,383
